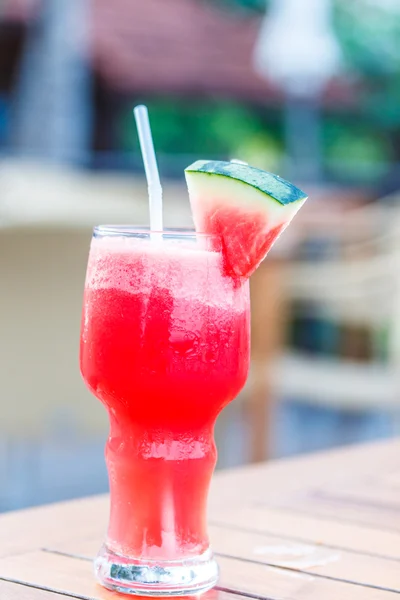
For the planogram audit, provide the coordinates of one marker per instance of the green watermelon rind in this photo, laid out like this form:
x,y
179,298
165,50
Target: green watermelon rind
x,y
271,185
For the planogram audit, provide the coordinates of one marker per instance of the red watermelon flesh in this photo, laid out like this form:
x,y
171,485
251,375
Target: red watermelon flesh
x,y
245,242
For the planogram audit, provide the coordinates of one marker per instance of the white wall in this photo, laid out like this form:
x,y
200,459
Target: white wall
x,y
41,285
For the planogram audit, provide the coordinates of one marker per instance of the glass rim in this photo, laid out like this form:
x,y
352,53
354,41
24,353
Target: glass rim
x,y
129,230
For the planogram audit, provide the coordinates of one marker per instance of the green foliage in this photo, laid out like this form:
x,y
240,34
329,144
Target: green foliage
x,y
369,33
207,128
382,103
355,149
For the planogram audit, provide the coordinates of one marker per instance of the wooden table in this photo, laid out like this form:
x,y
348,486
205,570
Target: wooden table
x,y
322,527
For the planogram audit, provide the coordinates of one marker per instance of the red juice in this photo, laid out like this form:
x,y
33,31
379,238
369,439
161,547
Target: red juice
x,y
165,346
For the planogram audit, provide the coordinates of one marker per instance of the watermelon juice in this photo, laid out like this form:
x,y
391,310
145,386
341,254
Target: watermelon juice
x,y
164,346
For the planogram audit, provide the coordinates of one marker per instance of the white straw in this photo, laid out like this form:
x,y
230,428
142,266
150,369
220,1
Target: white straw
x,y
150,166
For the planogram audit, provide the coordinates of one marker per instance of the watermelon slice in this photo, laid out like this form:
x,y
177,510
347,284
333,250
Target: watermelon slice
x,y
246,207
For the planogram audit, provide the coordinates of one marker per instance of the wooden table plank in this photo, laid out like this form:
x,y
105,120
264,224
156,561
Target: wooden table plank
x,y
309,559
305,528
342,510
31,529
12,591
277,481
277,584
378,489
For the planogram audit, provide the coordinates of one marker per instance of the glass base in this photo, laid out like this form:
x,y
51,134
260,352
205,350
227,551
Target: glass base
x,y
156,577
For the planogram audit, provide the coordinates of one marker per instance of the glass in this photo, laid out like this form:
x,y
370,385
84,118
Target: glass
x,y
164,346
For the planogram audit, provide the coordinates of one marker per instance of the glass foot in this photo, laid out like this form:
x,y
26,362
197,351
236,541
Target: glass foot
x,y
156,578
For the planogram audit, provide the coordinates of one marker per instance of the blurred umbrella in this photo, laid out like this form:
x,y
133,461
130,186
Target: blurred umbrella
x,y
297,50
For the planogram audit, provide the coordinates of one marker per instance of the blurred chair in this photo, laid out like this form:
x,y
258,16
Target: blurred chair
x,y
359,286
359,289
268,320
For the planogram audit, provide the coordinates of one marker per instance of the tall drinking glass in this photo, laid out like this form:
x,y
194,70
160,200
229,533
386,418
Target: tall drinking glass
x,y
164,346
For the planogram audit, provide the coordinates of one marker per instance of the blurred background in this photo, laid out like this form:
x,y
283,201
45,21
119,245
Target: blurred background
x,y
309,89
